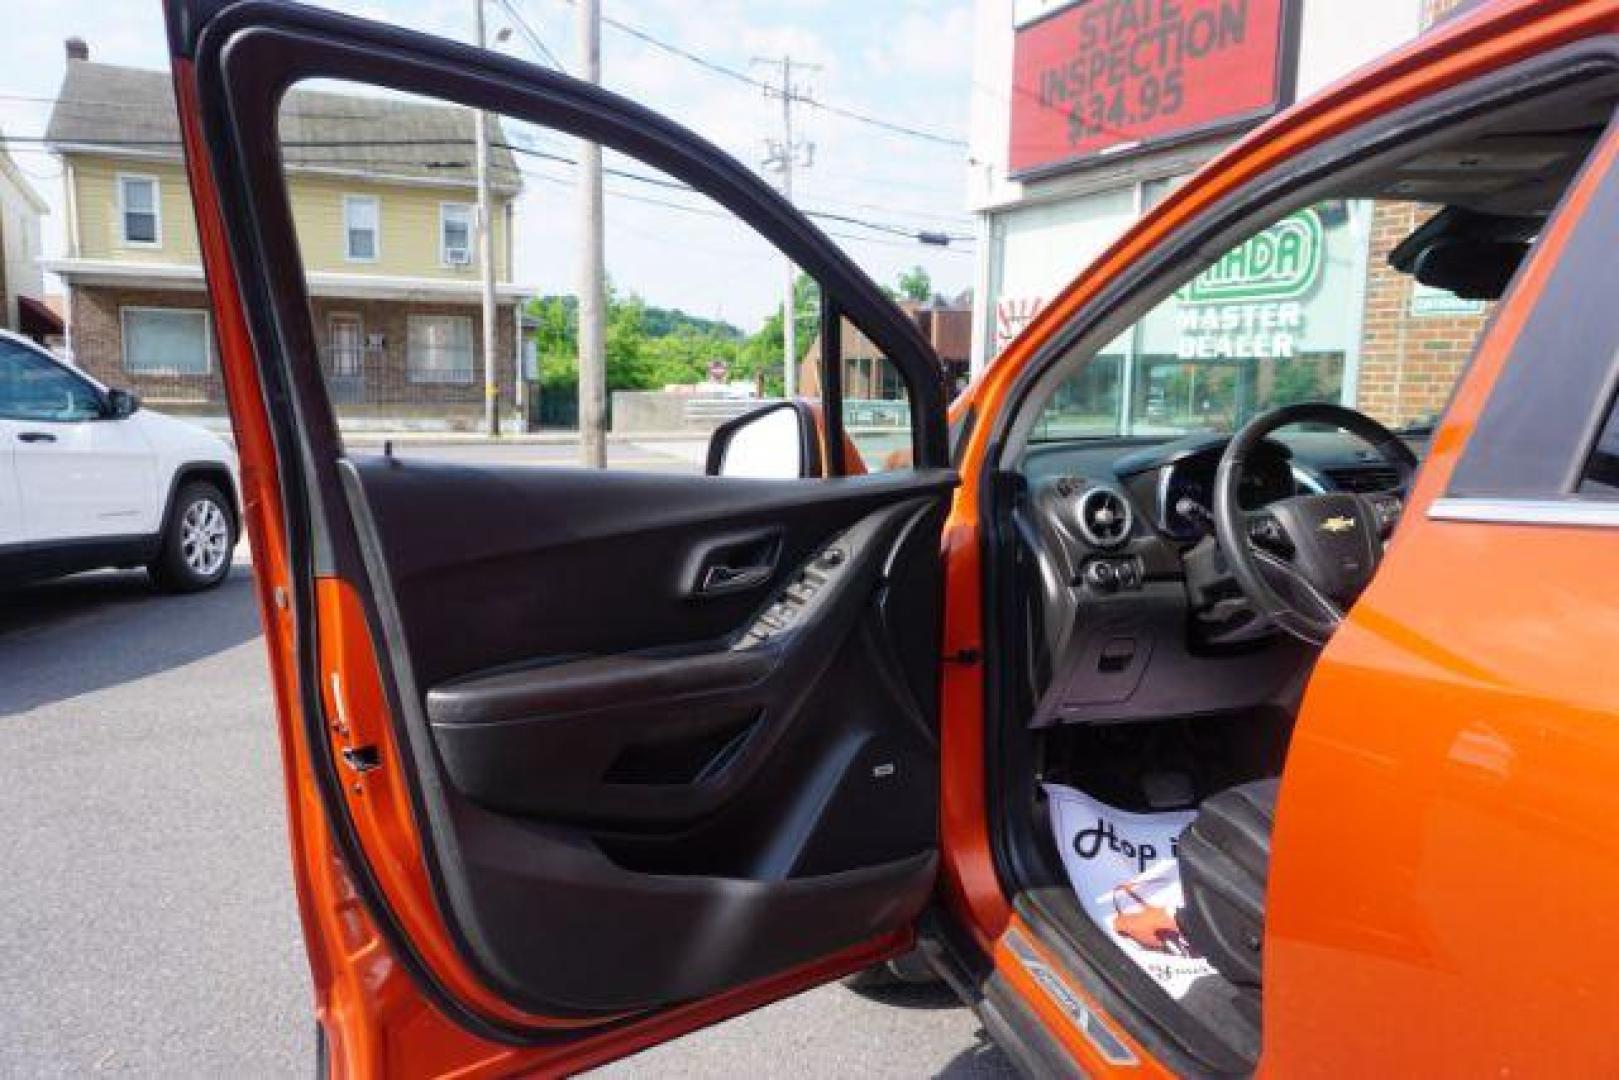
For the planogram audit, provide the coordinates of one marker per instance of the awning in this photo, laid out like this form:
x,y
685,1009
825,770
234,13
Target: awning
x,y
36,320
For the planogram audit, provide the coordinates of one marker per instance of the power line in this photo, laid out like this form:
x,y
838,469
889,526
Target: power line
x,y
528,32
41,143
743,77
720,215
952,218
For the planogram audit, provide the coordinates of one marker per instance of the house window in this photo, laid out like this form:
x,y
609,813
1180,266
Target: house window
x,y
455,233
438,349
165,341
138,210
360,216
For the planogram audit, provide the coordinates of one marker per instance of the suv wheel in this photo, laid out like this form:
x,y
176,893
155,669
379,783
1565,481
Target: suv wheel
x,y
197,545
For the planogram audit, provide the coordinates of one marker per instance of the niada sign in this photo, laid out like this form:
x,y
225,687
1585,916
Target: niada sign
x,y
1265,299
1281,263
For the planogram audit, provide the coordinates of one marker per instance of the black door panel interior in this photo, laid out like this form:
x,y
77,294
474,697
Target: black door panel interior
x,y
652,783
559,737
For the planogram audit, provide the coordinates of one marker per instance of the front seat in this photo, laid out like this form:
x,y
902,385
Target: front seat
x,y
1224,864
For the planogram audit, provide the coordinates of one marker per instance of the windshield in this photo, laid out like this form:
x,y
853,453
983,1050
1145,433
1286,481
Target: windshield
x,y
1308,309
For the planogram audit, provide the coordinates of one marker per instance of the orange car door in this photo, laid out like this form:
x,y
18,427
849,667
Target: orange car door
x,y
577,761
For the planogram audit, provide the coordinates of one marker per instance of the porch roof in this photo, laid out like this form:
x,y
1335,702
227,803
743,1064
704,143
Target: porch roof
x,y
154,275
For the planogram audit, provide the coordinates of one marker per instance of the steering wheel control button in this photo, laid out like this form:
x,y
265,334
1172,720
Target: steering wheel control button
x,y
1387,509
1268,533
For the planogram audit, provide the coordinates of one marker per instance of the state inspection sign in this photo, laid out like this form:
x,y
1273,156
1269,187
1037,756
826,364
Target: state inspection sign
x,y
1102,76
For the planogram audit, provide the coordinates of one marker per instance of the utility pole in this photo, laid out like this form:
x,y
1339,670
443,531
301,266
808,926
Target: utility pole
x,y
486,252
783,156
592,287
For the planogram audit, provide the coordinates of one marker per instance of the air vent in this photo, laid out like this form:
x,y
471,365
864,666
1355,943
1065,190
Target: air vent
x,y
1364,478
1104,517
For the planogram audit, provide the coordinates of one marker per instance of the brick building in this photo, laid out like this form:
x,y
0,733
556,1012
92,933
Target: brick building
x,y
868,375
384,201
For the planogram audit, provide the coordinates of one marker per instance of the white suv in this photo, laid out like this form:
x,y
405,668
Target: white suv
x,y
88,479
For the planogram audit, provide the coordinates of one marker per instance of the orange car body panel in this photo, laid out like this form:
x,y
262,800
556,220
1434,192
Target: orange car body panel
x,y
1445,863
1434,943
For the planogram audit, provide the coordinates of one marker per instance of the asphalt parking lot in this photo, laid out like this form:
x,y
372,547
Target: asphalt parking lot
x,y
147,924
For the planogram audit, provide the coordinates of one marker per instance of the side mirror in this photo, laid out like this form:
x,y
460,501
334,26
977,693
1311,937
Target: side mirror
x,y
776,442
121,403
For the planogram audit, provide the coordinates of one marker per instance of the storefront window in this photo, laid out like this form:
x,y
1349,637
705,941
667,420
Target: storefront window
x,y
1306,310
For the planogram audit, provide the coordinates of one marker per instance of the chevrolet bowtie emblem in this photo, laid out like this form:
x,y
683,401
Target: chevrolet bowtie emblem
x,y
1338,524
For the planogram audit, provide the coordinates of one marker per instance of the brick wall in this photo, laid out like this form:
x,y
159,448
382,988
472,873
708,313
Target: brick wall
x,y
387,390
387,385
97,334
1408,362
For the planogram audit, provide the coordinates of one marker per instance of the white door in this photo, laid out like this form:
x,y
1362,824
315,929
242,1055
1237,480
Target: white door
x,y
79,473
346,333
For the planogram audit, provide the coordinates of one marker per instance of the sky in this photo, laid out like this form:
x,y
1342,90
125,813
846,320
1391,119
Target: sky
x,y
904,62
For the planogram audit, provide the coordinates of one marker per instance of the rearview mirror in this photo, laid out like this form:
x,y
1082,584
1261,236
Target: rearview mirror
x,y
1470,269
776,442
121,403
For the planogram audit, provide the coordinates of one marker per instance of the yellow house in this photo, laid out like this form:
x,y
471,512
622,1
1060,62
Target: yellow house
x,y
384,196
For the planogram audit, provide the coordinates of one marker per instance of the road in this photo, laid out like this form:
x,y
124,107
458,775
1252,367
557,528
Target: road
x,y
147,924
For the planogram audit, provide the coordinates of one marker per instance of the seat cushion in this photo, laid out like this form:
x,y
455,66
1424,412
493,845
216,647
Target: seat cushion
x,y
1224,865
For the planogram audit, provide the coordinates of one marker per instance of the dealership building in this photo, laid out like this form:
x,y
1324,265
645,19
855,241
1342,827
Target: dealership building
x,y
1087,112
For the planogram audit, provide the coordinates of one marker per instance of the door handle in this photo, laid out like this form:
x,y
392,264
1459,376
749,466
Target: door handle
x,y
36,436
719,579
732,563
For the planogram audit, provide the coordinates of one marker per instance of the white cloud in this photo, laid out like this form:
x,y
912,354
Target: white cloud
x,y
932,42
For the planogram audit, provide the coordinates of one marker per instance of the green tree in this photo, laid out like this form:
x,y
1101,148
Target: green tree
x,y
627,367
650,347
1296,381
556,329
916,284
760,357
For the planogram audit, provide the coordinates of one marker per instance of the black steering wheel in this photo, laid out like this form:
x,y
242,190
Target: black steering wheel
x,y
1303,561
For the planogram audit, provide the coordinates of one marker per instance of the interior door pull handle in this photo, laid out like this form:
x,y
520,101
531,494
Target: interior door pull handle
x,y
36,436
732,578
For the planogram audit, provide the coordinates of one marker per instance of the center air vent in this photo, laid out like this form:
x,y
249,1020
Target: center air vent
x,y
1104,517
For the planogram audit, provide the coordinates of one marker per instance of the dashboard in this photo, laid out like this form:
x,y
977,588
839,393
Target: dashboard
x,y
1158,476
1134,618
1177,488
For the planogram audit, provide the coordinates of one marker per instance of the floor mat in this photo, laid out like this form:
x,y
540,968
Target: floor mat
x,y
1123,867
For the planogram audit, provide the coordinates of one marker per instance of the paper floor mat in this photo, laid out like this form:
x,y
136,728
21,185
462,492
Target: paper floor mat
x,y
1124,869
